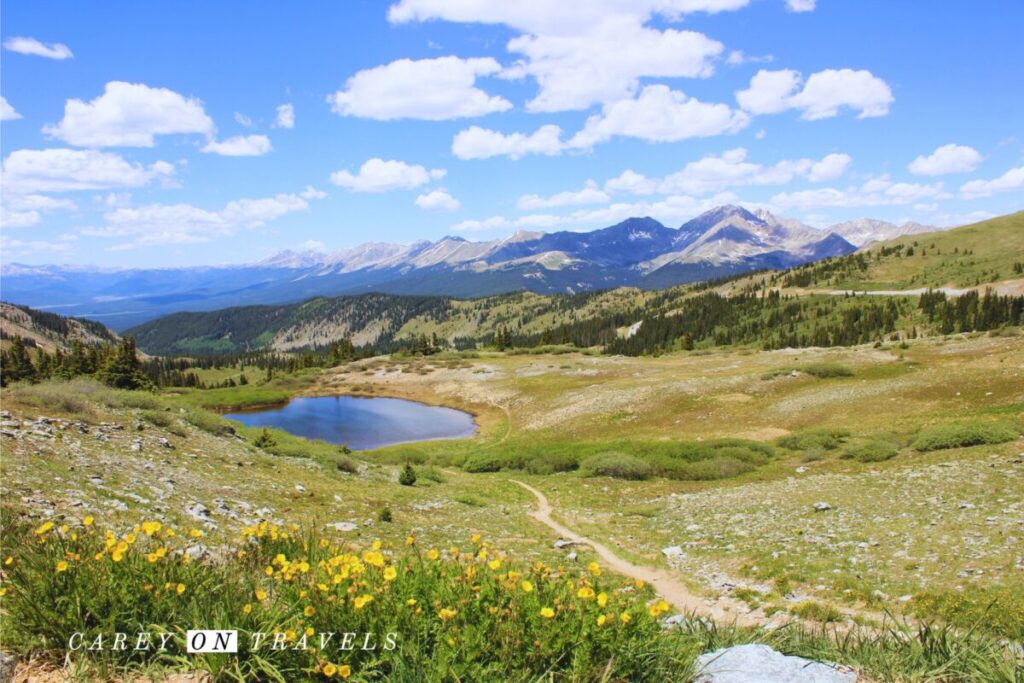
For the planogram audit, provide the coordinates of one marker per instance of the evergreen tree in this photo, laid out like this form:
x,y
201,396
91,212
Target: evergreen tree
x,y
123,369
17,365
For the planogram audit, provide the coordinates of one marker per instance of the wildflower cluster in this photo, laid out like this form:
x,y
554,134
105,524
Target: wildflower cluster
x,y
310,607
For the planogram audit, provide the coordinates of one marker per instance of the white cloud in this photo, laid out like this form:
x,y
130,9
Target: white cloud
x,y
242,119
669,210
590,194
7,112
586,53
430,89
715,173
481,143
166,224
62,170
285,116
801,5
437,200
880,191
26,210
949,158
31,46
831,167
129,115
822,96
240,146
1012,180
660,114
312,193
378,175
14,248
10,219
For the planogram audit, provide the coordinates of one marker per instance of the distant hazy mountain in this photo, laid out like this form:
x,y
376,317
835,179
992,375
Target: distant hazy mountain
x,y
864,231
638,252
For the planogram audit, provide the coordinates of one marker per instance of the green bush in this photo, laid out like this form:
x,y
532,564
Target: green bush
x,y
489,462
711,469
346,464
965,434
408,476
824,439
158,418
617,465
826,370
875,450
552,463
265,439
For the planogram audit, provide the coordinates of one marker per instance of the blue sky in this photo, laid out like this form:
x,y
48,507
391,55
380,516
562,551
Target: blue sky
x,y
160,134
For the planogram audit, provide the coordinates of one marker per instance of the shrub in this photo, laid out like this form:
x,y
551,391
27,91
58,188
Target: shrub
x,y
265,439
824,439
617,465
488,462
826,370
709,470
385,515
551,463
158,418
408,476
962,435
817,612
875,450
344,464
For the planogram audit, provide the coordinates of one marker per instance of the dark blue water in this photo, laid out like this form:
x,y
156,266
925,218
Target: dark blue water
x,y
362,423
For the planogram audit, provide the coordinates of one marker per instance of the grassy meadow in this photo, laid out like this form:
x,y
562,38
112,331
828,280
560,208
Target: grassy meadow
x,y
911,571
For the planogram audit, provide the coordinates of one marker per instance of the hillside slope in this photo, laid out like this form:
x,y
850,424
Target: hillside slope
x,y
50,331
970,256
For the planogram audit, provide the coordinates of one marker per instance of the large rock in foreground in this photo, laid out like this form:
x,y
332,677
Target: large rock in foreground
x,y
761,664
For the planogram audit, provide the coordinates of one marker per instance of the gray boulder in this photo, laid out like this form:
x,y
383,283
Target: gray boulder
x,y
762,664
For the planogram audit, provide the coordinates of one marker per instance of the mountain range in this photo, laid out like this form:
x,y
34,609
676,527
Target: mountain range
x,y
639,252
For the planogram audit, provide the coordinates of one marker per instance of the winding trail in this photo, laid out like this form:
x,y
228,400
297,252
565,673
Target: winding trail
x,y
668,587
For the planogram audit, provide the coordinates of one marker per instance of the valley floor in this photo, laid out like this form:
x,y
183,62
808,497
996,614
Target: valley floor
x,y
922,535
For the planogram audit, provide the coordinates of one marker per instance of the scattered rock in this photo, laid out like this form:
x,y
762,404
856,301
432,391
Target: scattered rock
x,y
822,507
761,664
198,511
137,446
8,662
563,543
673,552
571,557
299,488
165,443
344,526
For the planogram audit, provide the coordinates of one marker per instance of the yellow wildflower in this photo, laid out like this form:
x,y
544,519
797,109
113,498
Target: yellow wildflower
x,y
601,620
433,554
547,613
639,583
594,568
625,618
527,587
309,611
409,540
247,608
88,521
390,573
150,528
195,533
344,671
585,593
362,601
494,564
329,670
446,614
411,602
43,528
179,589
62,566
602,599
261,594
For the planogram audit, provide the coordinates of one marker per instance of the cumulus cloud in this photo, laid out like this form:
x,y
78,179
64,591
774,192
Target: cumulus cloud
x,y
240,146
590,194
429,89
822,96
1012,180
26,210
481,143
801,5
129,115
437,200
660,114
168,224
715,173
7,112
881,191
62,170
575,51
16,248
31,46
946,159
285,116
312,193
378,175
